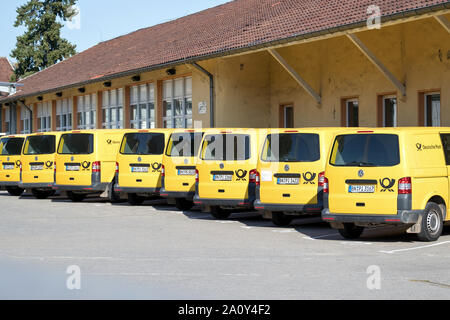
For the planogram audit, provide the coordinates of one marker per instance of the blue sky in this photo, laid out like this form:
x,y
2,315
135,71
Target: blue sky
x,y
102,20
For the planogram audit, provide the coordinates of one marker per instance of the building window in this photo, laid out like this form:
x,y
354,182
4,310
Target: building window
x,y
64,115
286,116
87,111
25,119
7,118
142,106
44,117
352,112
432,110
177,103
389,111
113,109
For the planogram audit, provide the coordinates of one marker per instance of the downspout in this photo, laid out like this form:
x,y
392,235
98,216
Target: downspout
x,y
211,92
31,115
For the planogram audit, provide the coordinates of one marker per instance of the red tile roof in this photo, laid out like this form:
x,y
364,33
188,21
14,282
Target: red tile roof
x,y
5,70
236,25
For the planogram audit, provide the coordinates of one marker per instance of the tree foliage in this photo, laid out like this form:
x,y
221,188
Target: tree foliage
x,y
42,45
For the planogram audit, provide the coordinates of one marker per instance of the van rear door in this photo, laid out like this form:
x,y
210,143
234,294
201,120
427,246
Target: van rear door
x,y
364,174
38,158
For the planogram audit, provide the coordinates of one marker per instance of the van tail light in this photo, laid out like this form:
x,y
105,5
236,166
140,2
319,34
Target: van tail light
x,y
117,167
323,182
96,166
196,176
254,177
321,179
404,186
163,171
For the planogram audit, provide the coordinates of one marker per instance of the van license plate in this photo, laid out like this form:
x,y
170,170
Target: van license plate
x,y
186,172
72,168
289,181
361,189
37,168
8,167
222,177
139,169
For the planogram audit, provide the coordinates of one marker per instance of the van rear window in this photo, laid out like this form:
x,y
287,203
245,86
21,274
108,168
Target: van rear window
x,y
76,143
291,147
12,146
143,144
40,145
366,150
226,147
184,144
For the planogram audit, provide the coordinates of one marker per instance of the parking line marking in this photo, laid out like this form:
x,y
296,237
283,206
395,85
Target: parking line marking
x,y
322,236
415,248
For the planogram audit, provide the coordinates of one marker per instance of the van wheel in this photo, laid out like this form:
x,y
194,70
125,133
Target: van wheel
x,y
76,197
280,219
114,197
40,194
183,204
432,223
135,200
15,191
218,213
351,231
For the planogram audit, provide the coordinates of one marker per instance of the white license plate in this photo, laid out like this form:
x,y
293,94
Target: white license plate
x,y
186,172
8,167
222,177
139,169
72,168
361,189
37,168
289,181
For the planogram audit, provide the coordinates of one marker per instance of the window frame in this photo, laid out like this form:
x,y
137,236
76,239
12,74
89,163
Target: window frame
x,y
425,116
395,121
170,121
150,103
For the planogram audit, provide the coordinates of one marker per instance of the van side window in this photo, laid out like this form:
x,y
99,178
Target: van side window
x,y
446,144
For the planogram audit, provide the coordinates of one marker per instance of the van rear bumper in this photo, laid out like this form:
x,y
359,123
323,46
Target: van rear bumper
x,y
177,194
94,188
402,217
154,191
248,203
291,208
5,184
48,185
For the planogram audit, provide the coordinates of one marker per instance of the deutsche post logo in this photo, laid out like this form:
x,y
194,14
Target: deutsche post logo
x,y
49,164
309,178
241,174
86,165
387,184
419,146
109,141
156,166
18,163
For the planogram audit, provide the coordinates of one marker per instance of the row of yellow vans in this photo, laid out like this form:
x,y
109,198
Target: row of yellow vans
x,y
354,178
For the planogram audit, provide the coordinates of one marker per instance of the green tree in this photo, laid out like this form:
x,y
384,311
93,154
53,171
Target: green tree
x,y
42,45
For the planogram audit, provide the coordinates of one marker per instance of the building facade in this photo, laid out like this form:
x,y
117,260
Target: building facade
x,y
339,73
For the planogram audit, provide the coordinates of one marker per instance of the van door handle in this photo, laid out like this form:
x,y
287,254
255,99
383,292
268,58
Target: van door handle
x,y
138,180
361,204
286,195
71,179
186,184
221,191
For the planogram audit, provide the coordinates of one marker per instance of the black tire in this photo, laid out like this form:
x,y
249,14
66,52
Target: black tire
x,y
42,194
76,197
218,213
114,197
135,200
183,204
351,231
15,191
432,223
280,219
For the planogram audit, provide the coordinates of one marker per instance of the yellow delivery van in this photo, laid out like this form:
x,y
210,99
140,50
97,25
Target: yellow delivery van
x,y
86,162
226,170
139,163
10,160
389,177
291,170
38,163
179,161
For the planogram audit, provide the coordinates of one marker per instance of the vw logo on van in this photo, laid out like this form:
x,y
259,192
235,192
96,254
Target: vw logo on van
x,y
222,166
186,161
287,168
139,159
72,158
35,158
361,173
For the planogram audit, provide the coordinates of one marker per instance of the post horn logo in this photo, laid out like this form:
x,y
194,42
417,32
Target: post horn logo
x,y
156,166
309,178
241,174
109,141
18,163
86,165
419,146
387,184
49,164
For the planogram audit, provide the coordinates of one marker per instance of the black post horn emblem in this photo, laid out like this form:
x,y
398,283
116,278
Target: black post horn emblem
x,y
387,184
241,174
309,177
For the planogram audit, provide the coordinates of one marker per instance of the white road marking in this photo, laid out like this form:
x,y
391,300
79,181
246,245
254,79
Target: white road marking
x,y
284,231
322,236
415,248
226,222
355,243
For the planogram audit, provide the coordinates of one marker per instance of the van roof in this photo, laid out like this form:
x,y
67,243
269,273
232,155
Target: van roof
x,y
100,131
399,130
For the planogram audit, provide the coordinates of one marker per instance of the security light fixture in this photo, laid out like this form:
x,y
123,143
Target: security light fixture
x,y
107,84
40,98
82,90
59,94
136,78
171,71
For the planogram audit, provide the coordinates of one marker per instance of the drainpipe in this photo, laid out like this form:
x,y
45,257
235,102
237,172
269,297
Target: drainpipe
x,y
31,115
211,92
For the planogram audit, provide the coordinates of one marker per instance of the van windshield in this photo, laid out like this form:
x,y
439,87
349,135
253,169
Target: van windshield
x,y
366,150
184,144
76,143
226,147
12,146
40,145
143,144
291,147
